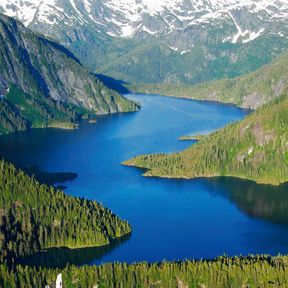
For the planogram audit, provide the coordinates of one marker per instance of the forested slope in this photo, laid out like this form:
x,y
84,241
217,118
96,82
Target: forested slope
x,y
35,216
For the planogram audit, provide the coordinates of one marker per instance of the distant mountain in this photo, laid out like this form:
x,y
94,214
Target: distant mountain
x,y
179,41
42,83
129,18
255,148
249,91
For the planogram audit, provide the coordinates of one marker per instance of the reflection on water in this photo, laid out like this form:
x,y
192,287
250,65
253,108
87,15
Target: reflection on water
x,y
60,257
49,178
259,201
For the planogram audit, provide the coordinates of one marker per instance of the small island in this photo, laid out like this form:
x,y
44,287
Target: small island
x,y
64,125
192,138
92,121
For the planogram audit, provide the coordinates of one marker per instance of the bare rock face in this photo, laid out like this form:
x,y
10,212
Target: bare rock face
x,y
253,100
279,87
3,85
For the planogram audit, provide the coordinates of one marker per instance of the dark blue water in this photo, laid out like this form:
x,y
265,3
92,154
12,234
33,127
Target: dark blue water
x,y
171,219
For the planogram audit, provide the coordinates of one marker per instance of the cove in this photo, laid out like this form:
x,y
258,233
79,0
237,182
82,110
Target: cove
x,y
171,219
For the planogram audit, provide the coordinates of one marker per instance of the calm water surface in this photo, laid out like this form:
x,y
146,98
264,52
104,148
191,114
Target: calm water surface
x,y
171,219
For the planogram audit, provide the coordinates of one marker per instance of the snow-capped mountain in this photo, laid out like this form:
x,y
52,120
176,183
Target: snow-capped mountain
x,y
101,30
126,18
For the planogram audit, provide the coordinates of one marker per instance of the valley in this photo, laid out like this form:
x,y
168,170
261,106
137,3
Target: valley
x,y
247,209
212,211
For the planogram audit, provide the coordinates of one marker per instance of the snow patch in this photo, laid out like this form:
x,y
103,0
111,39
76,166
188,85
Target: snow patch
x,y
185,52
240,32
173,48
26,11
254,35
127,31
145,29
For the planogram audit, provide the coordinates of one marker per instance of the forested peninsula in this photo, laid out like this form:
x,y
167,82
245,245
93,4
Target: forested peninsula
x,y
255,148
35,216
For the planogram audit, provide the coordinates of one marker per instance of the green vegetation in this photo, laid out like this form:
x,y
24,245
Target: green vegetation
x,y
252,272
249,91
42,111
20,111
64,125
10,119
35,217
254,148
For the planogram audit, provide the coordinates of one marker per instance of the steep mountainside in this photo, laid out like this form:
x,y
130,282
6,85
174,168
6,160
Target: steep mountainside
x,y
35,216
44,83
255,148
249,91
167,41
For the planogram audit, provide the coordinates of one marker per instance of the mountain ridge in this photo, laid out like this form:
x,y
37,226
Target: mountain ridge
x,y
131,13
201,39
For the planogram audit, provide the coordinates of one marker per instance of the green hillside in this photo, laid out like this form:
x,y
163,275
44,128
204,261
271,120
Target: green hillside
x,y
249,91
255,148
35,217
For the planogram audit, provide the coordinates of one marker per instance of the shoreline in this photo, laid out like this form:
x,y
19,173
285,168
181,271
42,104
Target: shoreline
x,y
147,170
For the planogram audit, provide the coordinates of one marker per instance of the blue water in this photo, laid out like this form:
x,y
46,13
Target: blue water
x,y
171,219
